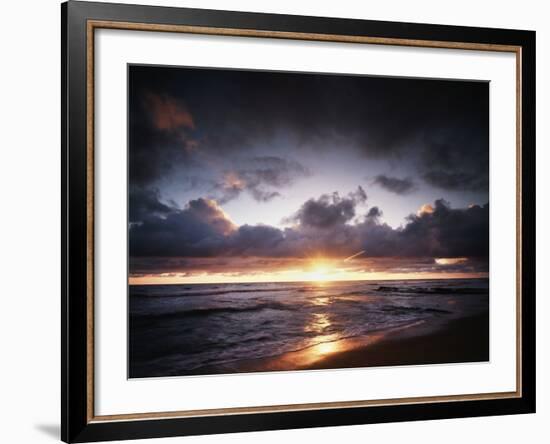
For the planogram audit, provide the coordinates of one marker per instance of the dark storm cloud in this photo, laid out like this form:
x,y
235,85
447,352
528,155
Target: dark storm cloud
x,y
168,113
323,226
255,240
374,212
456,180
448,232
144,203
162,136
439,127
198,230
261,176
142,266
329,210
394,184
459,163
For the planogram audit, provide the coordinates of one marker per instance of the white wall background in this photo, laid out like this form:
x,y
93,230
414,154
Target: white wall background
x,y
30,209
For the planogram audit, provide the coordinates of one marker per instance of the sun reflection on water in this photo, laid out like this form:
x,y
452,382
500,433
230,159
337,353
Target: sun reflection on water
x,y
323,343
318,323
321,300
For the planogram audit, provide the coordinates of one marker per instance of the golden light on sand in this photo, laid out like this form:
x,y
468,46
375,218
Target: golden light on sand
x,y
450,260
326,348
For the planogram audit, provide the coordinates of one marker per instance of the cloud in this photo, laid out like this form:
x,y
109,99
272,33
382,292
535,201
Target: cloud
x,y
141,266
374,213
455,159
168,113
144,203
255,240
162,138
247,266
329,210
447,232
208,212
425,209
394,184
436,129
457,180
261,176
198,230
323,227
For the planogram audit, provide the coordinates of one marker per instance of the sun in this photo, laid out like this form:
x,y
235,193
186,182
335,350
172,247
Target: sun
x,y
320,274
320,271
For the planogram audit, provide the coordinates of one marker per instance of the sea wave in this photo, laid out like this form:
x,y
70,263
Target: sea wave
x,y
220,292
236,322
431,290
399,309
200,312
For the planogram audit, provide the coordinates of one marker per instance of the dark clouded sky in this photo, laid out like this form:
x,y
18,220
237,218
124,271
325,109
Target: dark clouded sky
x,y
257,175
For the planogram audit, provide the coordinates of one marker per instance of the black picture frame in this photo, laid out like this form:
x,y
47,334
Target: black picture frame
x,y
76,423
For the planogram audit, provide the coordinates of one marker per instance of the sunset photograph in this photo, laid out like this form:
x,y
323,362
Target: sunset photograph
x,y
289,221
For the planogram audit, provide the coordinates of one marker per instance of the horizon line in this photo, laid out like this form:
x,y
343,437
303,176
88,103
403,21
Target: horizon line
x,y
309,281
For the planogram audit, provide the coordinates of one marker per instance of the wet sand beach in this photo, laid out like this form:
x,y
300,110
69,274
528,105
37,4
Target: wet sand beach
x,y
458,341
462,340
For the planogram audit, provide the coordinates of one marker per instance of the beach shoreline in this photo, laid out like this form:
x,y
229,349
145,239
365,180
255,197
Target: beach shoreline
x,y
460,340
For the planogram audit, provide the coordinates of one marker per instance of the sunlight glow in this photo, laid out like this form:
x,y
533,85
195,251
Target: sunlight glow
x,y
320,271
320,274
326,348
450,260
292,276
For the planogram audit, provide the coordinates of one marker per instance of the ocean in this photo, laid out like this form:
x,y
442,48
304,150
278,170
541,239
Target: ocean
x,y
177,330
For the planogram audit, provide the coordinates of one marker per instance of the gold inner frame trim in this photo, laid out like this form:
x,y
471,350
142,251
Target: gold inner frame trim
x,y
98,24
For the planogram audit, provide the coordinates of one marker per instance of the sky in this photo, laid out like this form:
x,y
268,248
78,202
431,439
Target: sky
x,y
253,176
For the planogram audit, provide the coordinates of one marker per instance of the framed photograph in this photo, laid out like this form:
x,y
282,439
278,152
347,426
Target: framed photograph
x,y
277,221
